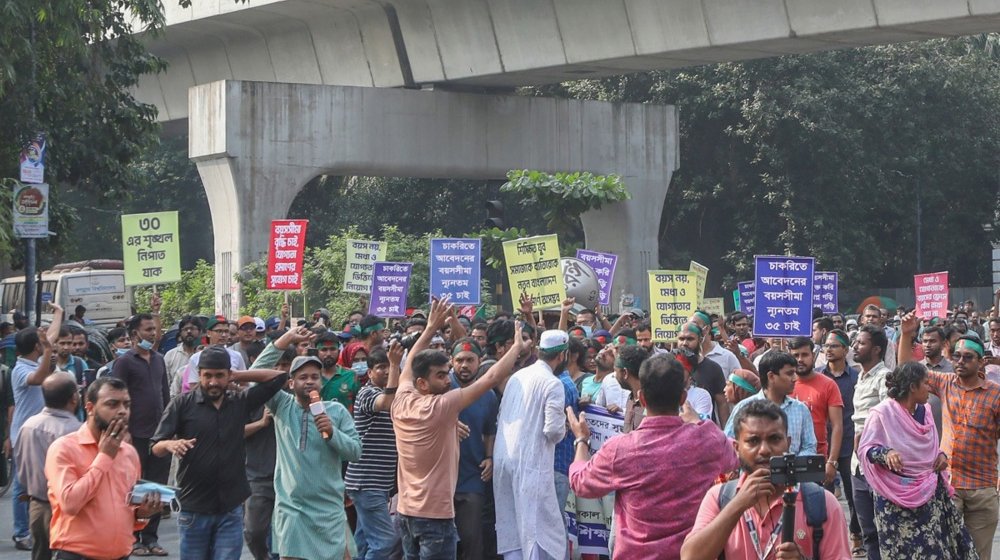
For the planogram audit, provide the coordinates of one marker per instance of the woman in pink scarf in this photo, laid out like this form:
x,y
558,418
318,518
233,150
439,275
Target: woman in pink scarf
x,y
902,462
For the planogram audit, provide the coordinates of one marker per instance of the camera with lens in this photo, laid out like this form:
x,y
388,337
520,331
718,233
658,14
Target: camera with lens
x,y
790,469
405,340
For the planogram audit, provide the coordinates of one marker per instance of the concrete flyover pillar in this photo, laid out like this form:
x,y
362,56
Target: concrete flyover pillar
x,y
256,144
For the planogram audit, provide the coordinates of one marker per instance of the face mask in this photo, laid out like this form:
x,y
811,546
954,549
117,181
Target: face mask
x,y
121,351
360,368
145,345
588,330
168,494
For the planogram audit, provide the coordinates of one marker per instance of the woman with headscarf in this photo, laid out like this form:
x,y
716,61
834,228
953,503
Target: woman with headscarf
x,y
905,468
741,384
354,356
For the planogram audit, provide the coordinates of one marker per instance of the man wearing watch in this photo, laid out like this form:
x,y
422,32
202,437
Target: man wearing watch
x,y
91,473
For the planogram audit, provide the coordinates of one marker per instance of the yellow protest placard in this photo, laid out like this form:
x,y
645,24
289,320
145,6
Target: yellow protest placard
x,y
714,305
361,258
672,299
700,272
533,267
151,248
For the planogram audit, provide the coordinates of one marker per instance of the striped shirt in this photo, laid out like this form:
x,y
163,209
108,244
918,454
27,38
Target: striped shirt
x,y
971,419
376,469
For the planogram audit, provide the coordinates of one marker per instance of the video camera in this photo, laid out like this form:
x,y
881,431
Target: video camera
x,y
790,469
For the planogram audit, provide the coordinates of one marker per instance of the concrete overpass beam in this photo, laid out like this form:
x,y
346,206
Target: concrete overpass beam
x,y
257,144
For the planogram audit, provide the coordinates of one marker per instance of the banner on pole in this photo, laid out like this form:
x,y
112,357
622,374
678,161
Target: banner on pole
x,y
931,291
390,286
825,286
151,248
785,288
748,297
672,299
700,272
533,267
31,211
604,267
33,160
361,258
455,270
285,252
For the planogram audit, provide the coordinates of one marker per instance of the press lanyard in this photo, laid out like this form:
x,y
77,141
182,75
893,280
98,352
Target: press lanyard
x,y
755,538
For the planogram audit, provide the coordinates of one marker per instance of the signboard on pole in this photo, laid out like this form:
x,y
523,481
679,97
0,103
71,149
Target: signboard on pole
x,y
604,267
748,298
285,253
825,285
785,288
31,211
700,272
455,270
932,294
673,298
151,248
361,258
390,285
32,161
533,268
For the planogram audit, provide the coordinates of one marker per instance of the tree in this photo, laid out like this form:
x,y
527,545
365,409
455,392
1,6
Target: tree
x,y
67,68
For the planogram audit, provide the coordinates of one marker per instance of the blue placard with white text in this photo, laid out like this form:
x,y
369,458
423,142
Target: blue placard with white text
x,y
455,270
747,298
825,291
783,289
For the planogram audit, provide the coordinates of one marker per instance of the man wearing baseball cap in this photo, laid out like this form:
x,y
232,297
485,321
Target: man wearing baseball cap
x,y
247,335
530,424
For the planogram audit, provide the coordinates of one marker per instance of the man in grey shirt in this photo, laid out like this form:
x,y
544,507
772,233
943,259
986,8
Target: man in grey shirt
x,y
57,419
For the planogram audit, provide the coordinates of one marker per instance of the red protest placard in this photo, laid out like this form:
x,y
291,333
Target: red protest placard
x,y
931,292
284,254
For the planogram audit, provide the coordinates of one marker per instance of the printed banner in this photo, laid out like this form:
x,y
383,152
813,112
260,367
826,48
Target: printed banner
x,y
361,258
700,272
931,291
456,270
785,288
390,285
748,298
590,519
672,299
533,268
151,248
604,266
33,160
285,253
31,211
714,306
825,286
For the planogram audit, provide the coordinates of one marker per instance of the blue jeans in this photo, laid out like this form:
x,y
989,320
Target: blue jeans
x,y
428,539
20,508
206,536
375,535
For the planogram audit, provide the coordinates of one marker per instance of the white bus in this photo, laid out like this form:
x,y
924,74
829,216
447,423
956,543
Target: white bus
x,y
98,285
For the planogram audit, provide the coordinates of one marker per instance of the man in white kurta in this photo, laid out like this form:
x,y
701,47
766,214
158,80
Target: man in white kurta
x,y
531,422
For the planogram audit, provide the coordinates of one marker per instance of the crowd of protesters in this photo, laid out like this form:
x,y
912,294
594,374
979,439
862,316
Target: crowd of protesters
x,y
446,436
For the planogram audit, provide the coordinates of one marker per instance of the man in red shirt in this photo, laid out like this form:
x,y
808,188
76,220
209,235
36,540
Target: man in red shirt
x,y
822,396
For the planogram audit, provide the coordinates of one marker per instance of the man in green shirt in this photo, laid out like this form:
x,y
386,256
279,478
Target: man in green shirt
x,y
338,384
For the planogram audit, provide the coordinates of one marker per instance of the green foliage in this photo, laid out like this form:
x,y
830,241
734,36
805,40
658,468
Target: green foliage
x,y
826,155
194,294
565,196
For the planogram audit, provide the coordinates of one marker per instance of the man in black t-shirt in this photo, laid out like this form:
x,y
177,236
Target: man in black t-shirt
x,y
706,374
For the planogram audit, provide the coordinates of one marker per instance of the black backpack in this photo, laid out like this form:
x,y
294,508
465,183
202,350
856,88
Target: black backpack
x,y
813,500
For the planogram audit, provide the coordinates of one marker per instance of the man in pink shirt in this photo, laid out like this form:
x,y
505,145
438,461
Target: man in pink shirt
x,y
658,472
755,510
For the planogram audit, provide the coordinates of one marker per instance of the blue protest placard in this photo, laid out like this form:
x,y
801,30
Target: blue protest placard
x,y
785,288
747,297
825,285
604,267
390,284
455,270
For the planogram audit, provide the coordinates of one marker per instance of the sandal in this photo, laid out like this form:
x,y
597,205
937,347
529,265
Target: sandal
x,y
139,549
157,550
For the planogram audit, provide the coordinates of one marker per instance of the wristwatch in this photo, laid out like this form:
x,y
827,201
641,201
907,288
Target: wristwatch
x,y
578,441
836,464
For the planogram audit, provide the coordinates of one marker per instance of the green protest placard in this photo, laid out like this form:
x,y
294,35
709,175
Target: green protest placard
x,y
151,248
